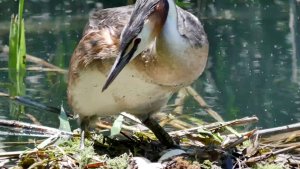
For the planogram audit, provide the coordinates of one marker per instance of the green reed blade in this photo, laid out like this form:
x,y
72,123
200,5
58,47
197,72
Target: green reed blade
x,y
17,53
13,49
21,40
22,50
20,14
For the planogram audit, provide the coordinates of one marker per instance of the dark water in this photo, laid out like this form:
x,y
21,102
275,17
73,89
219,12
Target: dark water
x,y
253,69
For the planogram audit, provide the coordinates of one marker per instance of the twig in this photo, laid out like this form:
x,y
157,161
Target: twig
x,y
203,104
38,61
96,165
42,62
15,153
179,101
71,162
34,104
210,111
275,130
101,125
48,141
18,124
40,69
278,145
279,130
3,162
171,120
131,117
21,143
39,163
265,156
245,120
180,124
5,133
245,137
294,162
33,119
166,120
4,94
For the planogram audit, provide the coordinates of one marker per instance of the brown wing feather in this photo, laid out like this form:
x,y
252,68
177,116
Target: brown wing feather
x,y
113,18
191,28
100,39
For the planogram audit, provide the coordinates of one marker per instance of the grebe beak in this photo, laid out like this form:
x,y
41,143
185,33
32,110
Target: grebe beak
x,y
146,22
120,63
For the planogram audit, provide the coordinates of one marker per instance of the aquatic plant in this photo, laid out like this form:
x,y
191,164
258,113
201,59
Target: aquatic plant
x,y
17,51
17,58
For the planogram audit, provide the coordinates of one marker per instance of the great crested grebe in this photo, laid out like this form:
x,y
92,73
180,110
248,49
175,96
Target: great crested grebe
x,y
138,56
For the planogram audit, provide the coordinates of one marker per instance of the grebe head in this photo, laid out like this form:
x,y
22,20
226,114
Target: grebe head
x,y
145,24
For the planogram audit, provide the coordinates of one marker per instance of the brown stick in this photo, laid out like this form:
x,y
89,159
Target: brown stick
x,y
18,133
275,130
203,104
15,153
34,104
240,140
38,61
33,119
21,143
210,111
41,69
39,163
279,130
265,156
96,165
23,125
242,121
179,101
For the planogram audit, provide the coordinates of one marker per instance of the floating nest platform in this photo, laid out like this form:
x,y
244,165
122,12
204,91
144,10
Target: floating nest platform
x,y
206,146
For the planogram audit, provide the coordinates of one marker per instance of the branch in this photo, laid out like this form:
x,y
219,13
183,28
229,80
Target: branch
x,y
210,111
279,130
40,69
203,104
265,156
47,130
242,121
38,61
34,104
275,130
15,153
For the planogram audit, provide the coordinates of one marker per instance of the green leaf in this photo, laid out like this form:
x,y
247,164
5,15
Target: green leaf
x,y
64,123
22,50
21,8
13,41
17,53
117,126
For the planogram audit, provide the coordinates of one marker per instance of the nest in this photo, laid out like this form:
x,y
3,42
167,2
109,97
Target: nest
x,y
209,145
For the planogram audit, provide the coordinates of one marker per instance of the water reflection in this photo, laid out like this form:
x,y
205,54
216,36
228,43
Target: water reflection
x,y
253,67
252,60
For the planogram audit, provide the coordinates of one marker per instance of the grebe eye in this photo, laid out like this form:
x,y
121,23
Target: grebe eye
x,y
137,41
